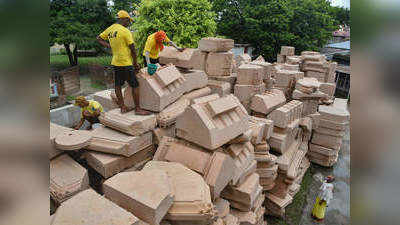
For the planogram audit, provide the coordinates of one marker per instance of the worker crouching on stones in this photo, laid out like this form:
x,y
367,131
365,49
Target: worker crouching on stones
x,y
90,111
324,197
155,44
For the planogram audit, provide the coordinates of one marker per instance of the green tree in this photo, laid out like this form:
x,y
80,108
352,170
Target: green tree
x,y
184,21
341,15
128,5
77,23
269,24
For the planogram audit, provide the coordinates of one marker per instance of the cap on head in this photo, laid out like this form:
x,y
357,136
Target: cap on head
x,y
79,99
124,14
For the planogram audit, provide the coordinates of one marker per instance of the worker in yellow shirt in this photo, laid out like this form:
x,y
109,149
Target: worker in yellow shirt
x,y
90,111
155,44
124,60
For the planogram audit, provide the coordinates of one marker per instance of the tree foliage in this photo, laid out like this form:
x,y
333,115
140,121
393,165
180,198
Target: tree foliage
x,y
128,5
77,22
269,24
341,15
184,21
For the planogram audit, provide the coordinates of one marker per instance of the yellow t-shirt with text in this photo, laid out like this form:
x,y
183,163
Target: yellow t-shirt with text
x,y
151,46
92,107
120,38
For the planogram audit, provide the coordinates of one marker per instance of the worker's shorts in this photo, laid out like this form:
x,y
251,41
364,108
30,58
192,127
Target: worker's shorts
x,y
125,73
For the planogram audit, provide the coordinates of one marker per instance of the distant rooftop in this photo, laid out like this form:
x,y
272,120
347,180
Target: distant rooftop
x,y
341,45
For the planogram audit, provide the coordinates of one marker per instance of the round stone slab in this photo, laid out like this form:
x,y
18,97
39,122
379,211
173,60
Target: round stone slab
x,y
73,140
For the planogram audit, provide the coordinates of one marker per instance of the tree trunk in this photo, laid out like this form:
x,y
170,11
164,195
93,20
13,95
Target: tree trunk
x,y
75,55
70,56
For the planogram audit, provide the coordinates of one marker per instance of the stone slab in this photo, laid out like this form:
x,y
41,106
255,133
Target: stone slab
x,y
219,87
67,178
108,165
219,63
287,50
212,44
194,79
114,142
105,99
268,101
129,122
250,75
147,194
90,208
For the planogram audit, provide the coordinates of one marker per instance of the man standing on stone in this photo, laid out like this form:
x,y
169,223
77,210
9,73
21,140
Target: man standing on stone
x,y
120,41
155,44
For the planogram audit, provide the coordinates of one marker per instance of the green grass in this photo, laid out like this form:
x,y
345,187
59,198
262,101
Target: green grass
x,y
294,211
60,62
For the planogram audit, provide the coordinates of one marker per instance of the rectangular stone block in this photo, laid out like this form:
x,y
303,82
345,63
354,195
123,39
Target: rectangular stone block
x,y
114,142
287,50
307,85
328,88
294,60
245,92
334,113
168,116
298,95
333,125
161,89
219,63
322,67
90,208
219,87
105,100
250,75
267,68
284,77
212,44
315,58
67,178
246,192
147,194
327,141
129,122
198,60
322,150
192,200
286,114
197,124
268,101
107,165
244,207
327,131
310,107
194,79
231,79
280,58
185,59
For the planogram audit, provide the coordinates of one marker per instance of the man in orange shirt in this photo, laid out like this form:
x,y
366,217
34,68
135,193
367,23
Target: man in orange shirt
x,y
124,60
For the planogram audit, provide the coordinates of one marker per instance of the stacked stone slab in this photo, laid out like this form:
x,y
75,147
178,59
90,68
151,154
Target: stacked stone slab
x,y
219,60
285,52
327,138
189,58
105,99
67,178
284,78
286,125
307,91
268,69
160,89
249,83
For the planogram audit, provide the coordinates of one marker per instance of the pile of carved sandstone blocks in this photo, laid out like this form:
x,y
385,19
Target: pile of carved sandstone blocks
x,y
213,56
316,66
328,135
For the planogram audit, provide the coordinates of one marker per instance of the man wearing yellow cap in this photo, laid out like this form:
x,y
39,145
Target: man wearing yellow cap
x,y
120,41
90,111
